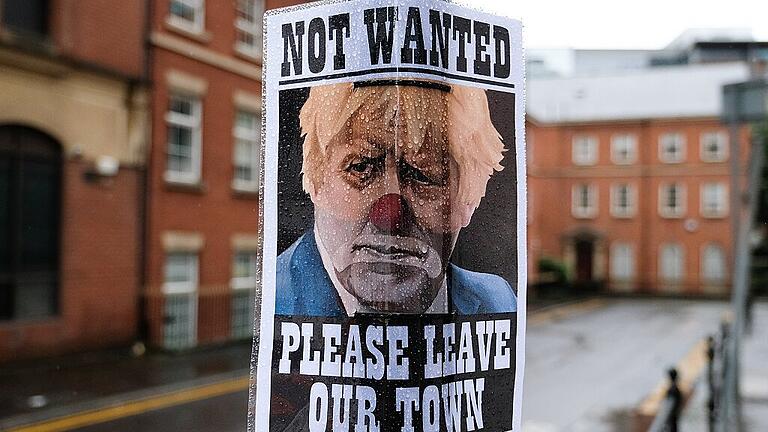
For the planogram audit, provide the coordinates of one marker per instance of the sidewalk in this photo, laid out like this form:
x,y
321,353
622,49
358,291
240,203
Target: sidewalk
x,y
754,372
44,389
754,382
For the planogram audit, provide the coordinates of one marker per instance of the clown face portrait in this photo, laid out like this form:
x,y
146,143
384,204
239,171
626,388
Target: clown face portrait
x,y
394,169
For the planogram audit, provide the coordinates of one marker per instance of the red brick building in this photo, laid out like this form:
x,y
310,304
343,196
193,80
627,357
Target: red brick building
x,y
629,178
72,143
203,177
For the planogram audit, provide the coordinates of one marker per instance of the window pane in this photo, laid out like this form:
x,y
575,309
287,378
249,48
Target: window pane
x,y
246,10
179,149
244,160
247,121
672,262
29,16
622,262
242,314
181,105
178,268
245,265
39,213
713,264
183,10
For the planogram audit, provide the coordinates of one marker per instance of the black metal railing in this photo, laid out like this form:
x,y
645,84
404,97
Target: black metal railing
x,y
668,416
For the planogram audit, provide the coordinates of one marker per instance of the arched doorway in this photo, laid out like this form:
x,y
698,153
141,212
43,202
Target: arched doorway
x,y
30,202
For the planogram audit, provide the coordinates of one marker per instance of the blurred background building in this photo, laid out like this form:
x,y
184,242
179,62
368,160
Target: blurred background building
x,y
633,143
73,128
203,176
129,169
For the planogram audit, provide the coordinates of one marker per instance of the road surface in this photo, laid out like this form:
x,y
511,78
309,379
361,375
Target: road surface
x,y
586,369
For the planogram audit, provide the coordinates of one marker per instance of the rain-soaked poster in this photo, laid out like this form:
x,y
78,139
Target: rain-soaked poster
x,y
394,264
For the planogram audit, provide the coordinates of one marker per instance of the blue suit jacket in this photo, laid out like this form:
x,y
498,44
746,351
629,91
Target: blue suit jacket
x,y
304,287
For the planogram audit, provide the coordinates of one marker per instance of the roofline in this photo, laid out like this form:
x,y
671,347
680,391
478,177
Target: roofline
x,y
533,120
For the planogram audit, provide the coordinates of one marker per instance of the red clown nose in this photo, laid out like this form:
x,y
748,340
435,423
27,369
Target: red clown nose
x,y
387,213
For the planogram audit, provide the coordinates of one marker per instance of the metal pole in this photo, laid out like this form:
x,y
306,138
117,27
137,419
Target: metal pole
x,y
743,210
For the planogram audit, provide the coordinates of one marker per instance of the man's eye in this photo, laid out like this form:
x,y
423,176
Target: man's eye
x,y
361,167
362,171
409,172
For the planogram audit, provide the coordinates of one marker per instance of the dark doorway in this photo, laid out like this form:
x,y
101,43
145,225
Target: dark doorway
x,y
584,256
30,198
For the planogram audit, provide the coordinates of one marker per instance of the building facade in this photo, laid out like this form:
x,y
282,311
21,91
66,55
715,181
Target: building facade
x,y
629,179
203,177
73,119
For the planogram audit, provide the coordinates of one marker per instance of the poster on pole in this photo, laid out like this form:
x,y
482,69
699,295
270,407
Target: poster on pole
x,y
393,220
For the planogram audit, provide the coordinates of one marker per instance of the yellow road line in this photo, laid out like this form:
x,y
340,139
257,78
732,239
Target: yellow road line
x,y
131,408
102,415
688,369
565,311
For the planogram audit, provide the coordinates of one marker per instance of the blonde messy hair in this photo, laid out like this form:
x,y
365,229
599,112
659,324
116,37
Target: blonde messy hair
x,y
473,141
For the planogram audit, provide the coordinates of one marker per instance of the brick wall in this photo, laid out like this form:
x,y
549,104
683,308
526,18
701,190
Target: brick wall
x,y
109,34
552,174
98,290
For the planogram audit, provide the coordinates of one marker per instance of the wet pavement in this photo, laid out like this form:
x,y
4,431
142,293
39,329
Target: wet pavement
x,y
52,387
589,372
220,414
585,371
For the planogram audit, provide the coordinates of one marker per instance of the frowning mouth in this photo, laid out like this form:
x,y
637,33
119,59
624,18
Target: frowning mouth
x,y
389,250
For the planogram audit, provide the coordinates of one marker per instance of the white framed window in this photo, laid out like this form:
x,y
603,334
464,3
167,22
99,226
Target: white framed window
x,y
184,147
714,200
245,271
248,23
246,155
245,284
584,150
622,261
672,198
181,273
672,147
714,146
180,300
672,262
622,200
584,200
624,148
713,268
188,14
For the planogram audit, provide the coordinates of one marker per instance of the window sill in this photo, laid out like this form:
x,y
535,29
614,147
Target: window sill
x,y
623,215
672,216
583,216
714,215
180,186
624,163
202,36
251,56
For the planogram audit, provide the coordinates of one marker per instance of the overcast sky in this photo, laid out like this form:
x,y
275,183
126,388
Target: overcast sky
x,y
649,24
